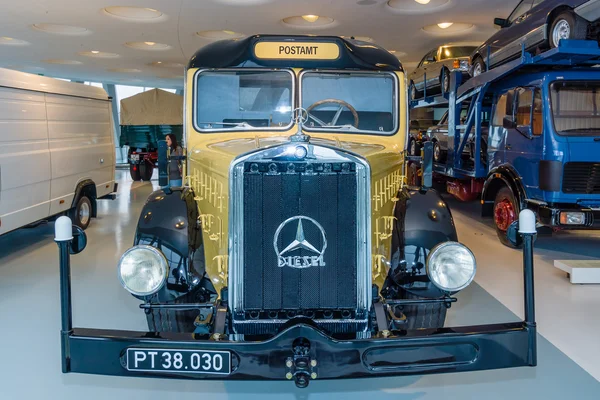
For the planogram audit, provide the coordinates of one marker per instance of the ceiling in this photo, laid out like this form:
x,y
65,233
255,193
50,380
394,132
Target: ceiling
x,y
181,19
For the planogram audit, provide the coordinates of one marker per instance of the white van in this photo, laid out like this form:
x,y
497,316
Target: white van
x,y
57,152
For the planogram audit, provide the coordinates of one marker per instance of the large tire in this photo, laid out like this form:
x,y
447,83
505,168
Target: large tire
x,y
81,214
146,169
506,211
424,316
134,171
566,26
479,67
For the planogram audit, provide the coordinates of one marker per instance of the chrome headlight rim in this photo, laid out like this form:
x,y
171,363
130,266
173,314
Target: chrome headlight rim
x,y
163,261
435,251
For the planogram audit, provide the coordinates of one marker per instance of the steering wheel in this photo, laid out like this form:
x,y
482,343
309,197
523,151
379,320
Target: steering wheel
x,y
336,117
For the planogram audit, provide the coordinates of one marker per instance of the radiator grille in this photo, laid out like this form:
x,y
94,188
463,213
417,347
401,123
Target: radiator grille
x,y
581,178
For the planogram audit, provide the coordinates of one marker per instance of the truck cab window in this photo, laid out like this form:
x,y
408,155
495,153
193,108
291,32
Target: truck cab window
x,y
524,103
538,121
500,112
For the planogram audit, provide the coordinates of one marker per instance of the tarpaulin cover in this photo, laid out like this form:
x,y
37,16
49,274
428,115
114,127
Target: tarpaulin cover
x,y
154,107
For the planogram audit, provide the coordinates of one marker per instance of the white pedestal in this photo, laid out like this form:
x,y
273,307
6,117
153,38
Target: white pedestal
x,y
580,271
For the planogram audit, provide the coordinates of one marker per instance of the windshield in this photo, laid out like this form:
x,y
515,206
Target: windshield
x,y
243,100
576,108
350,102
458,51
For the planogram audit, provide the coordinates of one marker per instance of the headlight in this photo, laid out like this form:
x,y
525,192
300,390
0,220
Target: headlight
x,y
451,266
142,270
572,218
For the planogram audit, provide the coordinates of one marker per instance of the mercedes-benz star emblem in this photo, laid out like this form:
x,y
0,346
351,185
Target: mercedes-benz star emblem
x,y
286,257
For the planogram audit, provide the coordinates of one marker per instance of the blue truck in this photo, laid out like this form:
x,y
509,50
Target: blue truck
x,y
541,148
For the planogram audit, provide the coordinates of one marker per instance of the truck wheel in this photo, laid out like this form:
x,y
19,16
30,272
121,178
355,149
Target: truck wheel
x,y
134,171
81,214
424,316
506,211
146,170
567,26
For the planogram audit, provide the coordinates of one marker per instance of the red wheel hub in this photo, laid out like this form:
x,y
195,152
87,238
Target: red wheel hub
x,y
504,214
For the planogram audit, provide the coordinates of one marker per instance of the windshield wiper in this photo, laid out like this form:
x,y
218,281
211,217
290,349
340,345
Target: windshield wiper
x,y
242,124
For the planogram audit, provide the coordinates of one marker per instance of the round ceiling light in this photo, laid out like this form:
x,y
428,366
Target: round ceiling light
x,y
98,54
12,41
150,46
217,35
58,29
62,62
308,21
166,64
125,70
138,14
447,27
416,6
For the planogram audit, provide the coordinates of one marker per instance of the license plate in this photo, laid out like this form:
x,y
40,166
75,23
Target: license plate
x,y
135,157
178,361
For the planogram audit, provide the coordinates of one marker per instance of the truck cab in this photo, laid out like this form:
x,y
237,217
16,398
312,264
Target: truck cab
x,y
545,130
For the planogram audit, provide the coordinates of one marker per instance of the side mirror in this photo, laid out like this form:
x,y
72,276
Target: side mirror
x,y
508,123
501,22
79,240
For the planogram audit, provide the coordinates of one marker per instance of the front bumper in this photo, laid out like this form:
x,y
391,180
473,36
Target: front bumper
x,y
471,348
550,216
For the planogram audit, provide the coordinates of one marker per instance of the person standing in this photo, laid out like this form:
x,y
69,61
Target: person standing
x,y
174,166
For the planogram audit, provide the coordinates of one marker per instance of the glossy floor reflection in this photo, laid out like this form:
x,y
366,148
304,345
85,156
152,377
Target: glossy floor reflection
x,y
30,318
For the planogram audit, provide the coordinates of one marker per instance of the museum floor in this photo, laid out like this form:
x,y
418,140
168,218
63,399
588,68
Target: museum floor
x,y
568,319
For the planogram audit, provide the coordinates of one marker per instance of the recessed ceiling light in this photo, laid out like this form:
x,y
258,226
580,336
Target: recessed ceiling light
x,y
151,46
164,64
310,18
98,54
58,29
63,62
448,27
12,41
126,70
307,21
136,14
417,6
224,34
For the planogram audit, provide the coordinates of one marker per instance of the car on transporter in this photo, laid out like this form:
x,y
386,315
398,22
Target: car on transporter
x,y
295,250
537,25
433,72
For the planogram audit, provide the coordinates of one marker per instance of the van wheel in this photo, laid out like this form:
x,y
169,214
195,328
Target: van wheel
x,y
146,170
567,26
134,171
423,316
81,214
506,211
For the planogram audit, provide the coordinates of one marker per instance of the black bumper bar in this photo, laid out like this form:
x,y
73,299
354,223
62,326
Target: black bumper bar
x,y
303,352
550,216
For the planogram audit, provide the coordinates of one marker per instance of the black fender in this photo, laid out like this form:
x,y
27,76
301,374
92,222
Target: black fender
x,y
169,221
86,187
422,221
503,175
